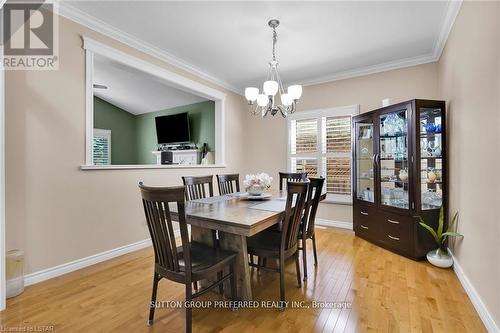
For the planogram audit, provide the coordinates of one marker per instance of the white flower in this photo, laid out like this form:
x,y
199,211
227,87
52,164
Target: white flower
x,y
261,179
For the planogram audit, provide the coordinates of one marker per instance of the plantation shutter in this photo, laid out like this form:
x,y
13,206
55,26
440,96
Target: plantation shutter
x,y
101,147
321,146
305,138
338,151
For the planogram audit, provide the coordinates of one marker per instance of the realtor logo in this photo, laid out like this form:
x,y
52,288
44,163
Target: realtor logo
x,y
29,35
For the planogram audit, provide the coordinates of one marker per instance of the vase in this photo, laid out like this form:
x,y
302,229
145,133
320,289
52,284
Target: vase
x,y
403,175
256,190
440,258
431,175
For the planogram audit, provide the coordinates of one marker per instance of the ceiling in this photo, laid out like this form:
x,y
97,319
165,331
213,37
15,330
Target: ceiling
x,y
135,91
230,43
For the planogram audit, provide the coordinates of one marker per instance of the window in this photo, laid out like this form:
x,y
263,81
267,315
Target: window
x,y
101,147
320,144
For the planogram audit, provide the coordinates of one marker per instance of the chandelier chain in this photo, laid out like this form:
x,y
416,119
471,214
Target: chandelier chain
x,y
275,40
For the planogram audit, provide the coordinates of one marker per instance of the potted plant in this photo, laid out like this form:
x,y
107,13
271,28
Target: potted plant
x,y
441,257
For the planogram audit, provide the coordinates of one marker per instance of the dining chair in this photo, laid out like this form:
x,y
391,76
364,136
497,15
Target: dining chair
x,y
287,177
291,177
187,263
228,183
307,225
282,245
196,187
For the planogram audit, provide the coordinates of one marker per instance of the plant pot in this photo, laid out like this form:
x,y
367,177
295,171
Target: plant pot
x,y
256,190
440,258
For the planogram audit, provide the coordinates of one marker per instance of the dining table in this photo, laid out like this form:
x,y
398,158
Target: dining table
x,y
235,217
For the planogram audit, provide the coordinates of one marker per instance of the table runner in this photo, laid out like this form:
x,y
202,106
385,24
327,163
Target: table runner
x,y
212,200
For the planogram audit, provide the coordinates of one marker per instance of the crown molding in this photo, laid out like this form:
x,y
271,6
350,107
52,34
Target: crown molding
x,y
387,66
448,20
78,16
68,11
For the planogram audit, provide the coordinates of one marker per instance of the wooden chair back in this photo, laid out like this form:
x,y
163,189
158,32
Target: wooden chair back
x,y
312,203
295,204
155,201
228,183
291,177
196,187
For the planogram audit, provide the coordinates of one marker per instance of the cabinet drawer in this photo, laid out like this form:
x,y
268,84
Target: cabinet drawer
x,y
364,221
395,231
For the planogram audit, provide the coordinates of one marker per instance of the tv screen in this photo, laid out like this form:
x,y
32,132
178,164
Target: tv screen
x,y
173,129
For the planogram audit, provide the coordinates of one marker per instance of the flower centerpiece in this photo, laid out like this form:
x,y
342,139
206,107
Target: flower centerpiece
x,y
257,184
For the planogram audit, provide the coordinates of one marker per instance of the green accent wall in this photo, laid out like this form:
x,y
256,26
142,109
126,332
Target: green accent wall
x,y
201,122
133,137
123,131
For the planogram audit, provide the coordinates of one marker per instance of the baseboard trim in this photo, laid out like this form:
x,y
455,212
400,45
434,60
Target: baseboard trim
x,y
59,270
334,224
476,300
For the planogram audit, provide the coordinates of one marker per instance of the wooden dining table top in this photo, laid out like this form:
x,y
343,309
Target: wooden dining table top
x,y
234,215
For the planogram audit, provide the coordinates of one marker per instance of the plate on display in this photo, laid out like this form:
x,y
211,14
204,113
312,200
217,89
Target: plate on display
x,y
262,196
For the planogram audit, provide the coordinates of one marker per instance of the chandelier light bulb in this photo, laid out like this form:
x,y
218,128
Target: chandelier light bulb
x,y
286,100
251,94
295,91
270,88
262,100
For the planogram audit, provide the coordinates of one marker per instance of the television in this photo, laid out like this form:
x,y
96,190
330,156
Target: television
x,y
173,128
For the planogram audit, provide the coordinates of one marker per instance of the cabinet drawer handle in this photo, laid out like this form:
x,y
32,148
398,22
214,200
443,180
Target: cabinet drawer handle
x,y
392,237
363,213
363,226
392,221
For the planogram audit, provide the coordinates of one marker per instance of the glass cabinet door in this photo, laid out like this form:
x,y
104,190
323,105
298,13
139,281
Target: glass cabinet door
x,y
364,161
393,160
431,159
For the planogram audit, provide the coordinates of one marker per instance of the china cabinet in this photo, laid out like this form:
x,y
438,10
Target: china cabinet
x,y
399,163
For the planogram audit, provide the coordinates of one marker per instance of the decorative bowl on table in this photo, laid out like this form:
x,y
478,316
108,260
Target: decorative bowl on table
x,y
256,184
256,190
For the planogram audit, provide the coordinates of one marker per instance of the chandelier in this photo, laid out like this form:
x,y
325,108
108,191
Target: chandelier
x,y
266,100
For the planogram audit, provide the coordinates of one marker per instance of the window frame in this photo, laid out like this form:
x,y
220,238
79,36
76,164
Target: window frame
x,y
350,110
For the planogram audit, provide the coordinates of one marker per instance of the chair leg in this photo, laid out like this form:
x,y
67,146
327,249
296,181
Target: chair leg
x,y
152,305
195,286
189,310
314,250
282,284
219,277
297,268
251,259
304,257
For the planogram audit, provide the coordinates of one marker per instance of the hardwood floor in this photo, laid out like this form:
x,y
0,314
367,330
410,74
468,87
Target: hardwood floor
x,y
388,293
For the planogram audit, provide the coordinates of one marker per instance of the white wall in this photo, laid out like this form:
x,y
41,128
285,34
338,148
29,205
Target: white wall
x,y
469,81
